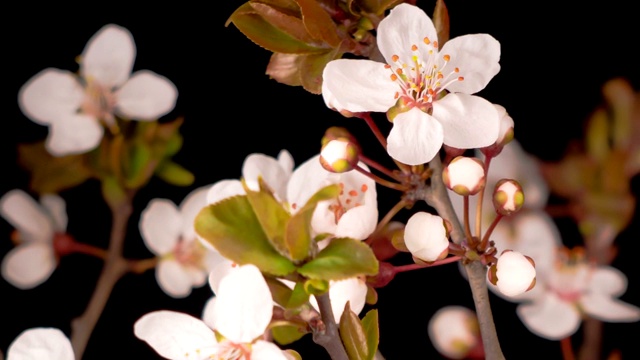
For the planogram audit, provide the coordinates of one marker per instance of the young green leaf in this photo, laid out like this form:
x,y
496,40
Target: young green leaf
x,y
342,258
371,332
353,335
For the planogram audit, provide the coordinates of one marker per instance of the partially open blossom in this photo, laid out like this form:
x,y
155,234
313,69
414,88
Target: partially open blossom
x,y
416,74
508,196
339,156
76,107
34,259
41,344
513,274
169,233
454,332
464,175
505,135
426,237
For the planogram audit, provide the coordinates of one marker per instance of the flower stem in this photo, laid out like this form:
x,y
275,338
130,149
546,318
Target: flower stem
x,y
374,164
567,349
374,128
380,180
390,214
115,267
330,337
403,268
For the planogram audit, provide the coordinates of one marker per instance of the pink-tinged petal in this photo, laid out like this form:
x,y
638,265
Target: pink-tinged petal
x,y
306,179
415,138
606,280
146,96
57,210
41,344
222,268
175,280
161,226
108,56
285,159
175,335
358,222
29,265
359,85
74,134
244,305
550,318
426,236
476,56
405,26
224,189
268,168
190,207
264,350
468,121
605,308
26,215
49,95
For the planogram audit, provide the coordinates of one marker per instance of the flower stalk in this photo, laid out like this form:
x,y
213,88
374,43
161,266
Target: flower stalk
x,y
329,336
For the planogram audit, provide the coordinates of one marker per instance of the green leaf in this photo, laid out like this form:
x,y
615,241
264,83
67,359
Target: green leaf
x,y
371,332
290,25
294,354
312,65
342,258
174,174
318,22
316,286
232,228
280,292
112,191
287,334
138,165
353,335
298,297
50,174
377,7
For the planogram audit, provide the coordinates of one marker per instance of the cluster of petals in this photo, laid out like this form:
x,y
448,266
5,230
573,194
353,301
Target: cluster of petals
x,y
168,232
34,259
76,107
425,236
418,73
41,343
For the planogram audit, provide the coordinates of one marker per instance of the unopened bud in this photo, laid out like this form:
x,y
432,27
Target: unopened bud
x,y
426,237
505,134
508,196
513,274
339,156
337,132
454,332
464,175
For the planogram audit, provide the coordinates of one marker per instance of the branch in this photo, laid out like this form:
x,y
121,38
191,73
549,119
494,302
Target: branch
x,y
329,337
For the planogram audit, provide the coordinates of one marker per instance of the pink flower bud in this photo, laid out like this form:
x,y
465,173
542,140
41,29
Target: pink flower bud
x,y
508,196
513,274
339,156
426,237
464,175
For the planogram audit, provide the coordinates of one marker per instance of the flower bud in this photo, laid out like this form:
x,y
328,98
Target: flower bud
x,y
505,134
464,175
426,237
337,132
508,196
513,274
339,156
454,332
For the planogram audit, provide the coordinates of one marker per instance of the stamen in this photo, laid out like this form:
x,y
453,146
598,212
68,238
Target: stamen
x,y
394,77
364,188
446,57
461,78
427,41
395,58
414,48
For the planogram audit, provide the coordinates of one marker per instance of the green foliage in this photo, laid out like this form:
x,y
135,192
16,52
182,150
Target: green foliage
x,y
341,259
360,338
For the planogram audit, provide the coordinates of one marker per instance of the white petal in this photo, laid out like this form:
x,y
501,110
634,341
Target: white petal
x,y
174,335
514,274
353,290
50,94
425,236
323,220
57,210
224,189
174,279
74,134
476,56
468,121
146,96
306,179
453,331
358,222
108,56
268,168
29,265
26,215
244,305
263,350
41,344
415,138
207,312
161,226
550,318
223,268
405,26
359,85
285,159
189,209
605,308
607,280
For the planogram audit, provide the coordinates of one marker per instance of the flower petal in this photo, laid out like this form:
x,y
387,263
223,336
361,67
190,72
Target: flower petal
x,y
41,344
306,179
605,308
358,222
74,134
222,268
405,26
29,265
476,56
607,280
244,305
353,290
108,56
50,94
207,312
26,215
174,335
268,168
468,121
359,85
264,350
550,318
224,189
453,331
415,138
57,210
426,236
146,96
285,159
174,279
161,226
189,209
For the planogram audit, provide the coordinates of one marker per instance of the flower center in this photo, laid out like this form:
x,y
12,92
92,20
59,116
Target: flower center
x,y
189,253
422,77
98,102
572,272
348,199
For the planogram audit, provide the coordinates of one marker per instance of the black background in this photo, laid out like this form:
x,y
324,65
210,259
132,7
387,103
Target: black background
x,y
555,57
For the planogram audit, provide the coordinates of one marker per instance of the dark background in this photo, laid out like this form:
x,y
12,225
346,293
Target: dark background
x,y
555,57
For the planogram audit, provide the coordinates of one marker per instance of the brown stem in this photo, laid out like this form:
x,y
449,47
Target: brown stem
x,y
330,337
115,267
381,181
403,268
438,198
374,164
567,349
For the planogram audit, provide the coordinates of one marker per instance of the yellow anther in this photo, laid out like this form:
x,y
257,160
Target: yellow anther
x,y
427,41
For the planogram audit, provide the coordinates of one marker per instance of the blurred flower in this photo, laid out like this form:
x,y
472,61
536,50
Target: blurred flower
x,y
416,74
455,333
169,233
33,261
426,237
41,344
73,106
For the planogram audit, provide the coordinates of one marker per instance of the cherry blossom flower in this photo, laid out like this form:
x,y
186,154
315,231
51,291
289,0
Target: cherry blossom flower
x,y
455,333
416,75
74,106
169,233
37,226
240,314
41,344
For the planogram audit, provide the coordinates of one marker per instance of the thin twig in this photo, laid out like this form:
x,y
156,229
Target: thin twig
x,y
330,337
